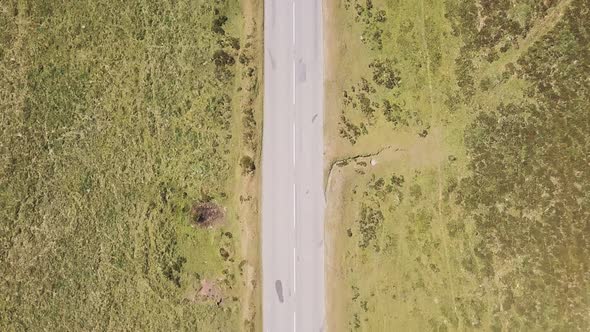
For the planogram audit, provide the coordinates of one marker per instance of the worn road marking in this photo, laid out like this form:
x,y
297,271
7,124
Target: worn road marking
x,y
294,207
293,20
294,271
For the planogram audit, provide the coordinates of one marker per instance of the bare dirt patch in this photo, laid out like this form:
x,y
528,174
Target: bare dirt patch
x,y
210,291
207,214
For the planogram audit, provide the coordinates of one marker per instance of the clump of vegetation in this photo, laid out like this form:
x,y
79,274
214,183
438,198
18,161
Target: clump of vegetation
x,y
359,100
218,24
372,20
369,224
221,58
250,90
219,109
247,164
349,130
395,114
173,270
464,69
250,128
385,74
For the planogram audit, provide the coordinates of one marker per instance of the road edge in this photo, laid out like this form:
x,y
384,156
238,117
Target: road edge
x,y
249,184
333,302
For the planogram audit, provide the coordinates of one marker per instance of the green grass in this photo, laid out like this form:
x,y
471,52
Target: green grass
x,y
114,119
488,126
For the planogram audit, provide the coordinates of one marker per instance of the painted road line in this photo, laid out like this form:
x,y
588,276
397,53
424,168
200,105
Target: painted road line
x,y
293,20
294,271
294,156
294,206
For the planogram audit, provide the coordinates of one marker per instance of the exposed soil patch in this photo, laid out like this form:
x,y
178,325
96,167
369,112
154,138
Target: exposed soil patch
x,y
210,291
207,214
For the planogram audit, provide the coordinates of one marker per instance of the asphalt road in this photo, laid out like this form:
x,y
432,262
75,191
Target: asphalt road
x,y
292,166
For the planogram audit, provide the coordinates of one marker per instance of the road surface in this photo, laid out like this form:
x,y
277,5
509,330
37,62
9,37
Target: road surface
x,y
292,166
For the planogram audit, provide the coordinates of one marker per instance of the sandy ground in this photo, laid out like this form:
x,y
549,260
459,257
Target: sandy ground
x,y
335,300
248,188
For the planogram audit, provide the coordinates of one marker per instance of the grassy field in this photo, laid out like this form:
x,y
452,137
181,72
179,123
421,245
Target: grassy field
x,y
458,165
116,118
